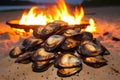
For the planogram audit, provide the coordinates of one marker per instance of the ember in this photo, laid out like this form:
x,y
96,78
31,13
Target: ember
x,y
64,46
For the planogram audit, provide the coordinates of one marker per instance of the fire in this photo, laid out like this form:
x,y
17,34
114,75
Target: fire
x,y
32,18
22,32
91,27
60,11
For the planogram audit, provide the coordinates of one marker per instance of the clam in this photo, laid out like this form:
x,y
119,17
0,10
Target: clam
x,y
31,44
104,50
24,58
67,60
66,72
86,36
70,32
96,62
69,44
15,52
42,55
47,31
40,66
54,42
37,32
61,23
77,54
91,48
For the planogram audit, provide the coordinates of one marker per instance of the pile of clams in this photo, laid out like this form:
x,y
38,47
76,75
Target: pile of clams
x,y
65,46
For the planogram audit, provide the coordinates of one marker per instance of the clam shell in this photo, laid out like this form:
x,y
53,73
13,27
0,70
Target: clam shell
x,y
54,42
92,48
15,52
42,55
47,31
24,58
66,72
32,44
41,66
37,32
61,23
69,44
67,60
95,62
70,33
86,36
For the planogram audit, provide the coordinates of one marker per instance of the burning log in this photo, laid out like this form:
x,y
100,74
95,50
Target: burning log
x,y
65,47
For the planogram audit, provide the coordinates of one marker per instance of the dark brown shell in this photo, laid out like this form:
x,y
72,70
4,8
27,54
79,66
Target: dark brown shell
x,y
47,31
41,66
70,32
66,72
54,42
69,44
67,60
61,23
24,58
42,55
32,44
92,48
105,51
95,62
15,52
86,36
37,31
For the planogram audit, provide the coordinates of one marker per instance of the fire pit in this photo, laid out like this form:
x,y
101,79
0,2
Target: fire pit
x,y
37,17
15,24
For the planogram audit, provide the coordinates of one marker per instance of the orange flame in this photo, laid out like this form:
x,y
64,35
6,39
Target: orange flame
x,y
60,11
91,27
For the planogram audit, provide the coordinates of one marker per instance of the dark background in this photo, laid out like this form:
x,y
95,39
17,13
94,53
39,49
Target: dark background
x,y
85,3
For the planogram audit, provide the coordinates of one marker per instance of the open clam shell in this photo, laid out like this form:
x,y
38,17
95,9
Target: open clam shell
x,y
67,60
104,50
